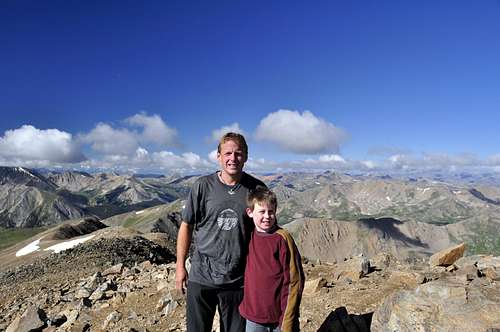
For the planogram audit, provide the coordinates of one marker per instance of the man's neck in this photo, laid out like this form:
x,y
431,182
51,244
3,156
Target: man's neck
x,y
229,179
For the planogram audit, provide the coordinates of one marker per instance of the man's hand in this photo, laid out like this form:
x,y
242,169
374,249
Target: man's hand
x,y
183,243
181,278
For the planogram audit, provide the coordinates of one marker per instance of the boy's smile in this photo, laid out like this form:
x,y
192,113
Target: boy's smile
x,y
264,217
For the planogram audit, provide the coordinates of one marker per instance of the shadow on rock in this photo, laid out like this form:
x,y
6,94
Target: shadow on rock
x,y
388,229
340,321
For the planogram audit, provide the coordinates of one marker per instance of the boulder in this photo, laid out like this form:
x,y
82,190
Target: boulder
x,y
353,269
447,256
409,279
113,317
489,266
115,269
30,320
442,305
313,286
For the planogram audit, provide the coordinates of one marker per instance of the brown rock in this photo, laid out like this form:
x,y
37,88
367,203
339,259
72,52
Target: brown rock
x,y
447,256
443,305
313,286
467,273
29,320
353,269
146,265
116,269
409,279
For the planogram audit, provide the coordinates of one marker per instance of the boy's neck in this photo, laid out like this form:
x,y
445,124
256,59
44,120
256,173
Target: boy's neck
x,y
269,231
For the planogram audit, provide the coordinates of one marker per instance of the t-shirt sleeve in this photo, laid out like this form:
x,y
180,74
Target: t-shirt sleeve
x,y
191,213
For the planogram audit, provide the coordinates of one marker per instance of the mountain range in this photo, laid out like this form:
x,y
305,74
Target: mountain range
x,y
409,217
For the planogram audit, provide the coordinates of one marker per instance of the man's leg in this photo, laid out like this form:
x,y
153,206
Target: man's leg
x,y
230,319
201,303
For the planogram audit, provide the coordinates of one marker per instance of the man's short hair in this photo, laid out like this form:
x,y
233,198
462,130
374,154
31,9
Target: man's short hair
x,y
261,195
238,138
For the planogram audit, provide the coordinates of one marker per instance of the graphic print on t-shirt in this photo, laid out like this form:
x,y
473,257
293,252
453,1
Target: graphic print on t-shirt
x,y
227,219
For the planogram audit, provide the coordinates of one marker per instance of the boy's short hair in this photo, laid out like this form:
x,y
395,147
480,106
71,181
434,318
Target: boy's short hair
x,y
238,138
261,195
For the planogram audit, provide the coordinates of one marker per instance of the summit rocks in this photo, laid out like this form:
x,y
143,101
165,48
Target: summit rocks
x,y
139,295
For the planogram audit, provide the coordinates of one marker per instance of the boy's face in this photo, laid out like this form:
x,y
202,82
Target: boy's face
x,y
264,216
231,158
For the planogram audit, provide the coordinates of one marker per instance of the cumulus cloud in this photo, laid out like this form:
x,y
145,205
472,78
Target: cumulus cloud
x,y
109,141
155,130
212,156
189,160
332,158
494,160
369,164
302,133
144,160
29,145
433,161
218,133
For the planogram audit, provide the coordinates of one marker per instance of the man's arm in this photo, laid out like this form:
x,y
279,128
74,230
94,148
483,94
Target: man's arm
x,y
183,243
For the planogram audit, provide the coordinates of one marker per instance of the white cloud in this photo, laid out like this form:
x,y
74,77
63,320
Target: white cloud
x,y
188,160
218,133
109,141
433,161
212,156
494,160
368,164
29,145
155,130
143,160
262,164
141,154
300,133
332,158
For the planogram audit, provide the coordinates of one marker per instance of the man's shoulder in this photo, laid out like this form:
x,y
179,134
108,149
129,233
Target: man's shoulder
x,y
204,179
251,181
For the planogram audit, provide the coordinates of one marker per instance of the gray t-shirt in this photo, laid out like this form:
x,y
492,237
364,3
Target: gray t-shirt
x,y
221,230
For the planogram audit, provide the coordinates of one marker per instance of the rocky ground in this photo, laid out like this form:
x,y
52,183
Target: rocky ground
x,y
127,284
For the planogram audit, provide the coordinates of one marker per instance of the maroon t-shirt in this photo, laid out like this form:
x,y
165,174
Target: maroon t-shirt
x,y
274,280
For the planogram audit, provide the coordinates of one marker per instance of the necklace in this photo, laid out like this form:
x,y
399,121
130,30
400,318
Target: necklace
x,y
232,189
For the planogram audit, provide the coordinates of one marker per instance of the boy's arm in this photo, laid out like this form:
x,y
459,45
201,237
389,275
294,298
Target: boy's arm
x,y
293,284
183,243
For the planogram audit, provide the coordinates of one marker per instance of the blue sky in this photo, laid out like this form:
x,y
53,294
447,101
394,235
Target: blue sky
x,y
143,86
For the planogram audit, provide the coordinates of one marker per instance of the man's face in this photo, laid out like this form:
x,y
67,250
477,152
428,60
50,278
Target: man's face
x,y
231,158
264,216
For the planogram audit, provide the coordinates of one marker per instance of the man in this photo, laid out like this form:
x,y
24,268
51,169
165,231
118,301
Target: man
x,y
215,212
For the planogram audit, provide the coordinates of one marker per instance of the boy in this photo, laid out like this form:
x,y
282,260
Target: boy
x,y
274,278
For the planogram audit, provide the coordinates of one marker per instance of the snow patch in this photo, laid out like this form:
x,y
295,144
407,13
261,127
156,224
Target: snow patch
x,y
22,170
57,248
32,247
